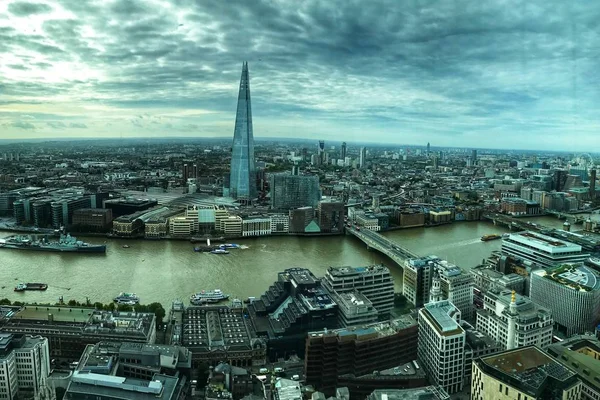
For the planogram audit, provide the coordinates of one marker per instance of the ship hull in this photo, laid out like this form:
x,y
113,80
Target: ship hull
x,y
89,249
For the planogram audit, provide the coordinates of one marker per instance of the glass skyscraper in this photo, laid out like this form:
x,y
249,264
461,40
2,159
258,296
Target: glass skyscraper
x,y
242,178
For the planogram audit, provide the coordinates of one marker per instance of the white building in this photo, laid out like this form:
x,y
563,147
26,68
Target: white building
x,y
256,226
514,321
182,226
280,223
24,367
417,279
354,309
375,282
542,250
441,348
572,292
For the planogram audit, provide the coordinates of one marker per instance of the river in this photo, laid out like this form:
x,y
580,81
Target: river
x,y
166,270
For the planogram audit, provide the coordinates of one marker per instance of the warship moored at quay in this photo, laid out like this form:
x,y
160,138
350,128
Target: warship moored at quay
x,y
65,243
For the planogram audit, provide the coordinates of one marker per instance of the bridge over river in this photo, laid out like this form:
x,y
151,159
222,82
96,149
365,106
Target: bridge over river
x,y
378,242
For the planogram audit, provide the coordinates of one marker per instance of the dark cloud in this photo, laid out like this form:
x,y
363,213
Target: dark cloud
x,y
56,125
22,125
77,125
23,9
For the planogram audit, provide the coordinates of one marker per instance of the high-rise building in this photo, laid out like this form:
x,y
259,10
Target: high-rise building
x,y
523,373
428,148
242,181
514,321
344,151
417,280
572,292
322,152
24,367
294,191
330,215
441,345
374,281
362,158
474,157
592,184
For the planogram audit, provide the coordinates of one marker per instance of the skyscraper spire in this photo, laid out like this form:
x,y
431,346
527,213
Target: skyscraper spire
x,y
242,177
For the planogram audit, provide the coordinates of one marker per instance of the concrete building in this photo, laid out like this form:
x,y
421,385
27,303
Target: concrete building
x,y
280,223
354,309
572,292
232,226
417,279
523,373
300,219
358,351
422,393
294,191
92,219
330,216
374,282
182,227
514,321
362,158
582,355
486,278
24,367
441,345
544,251
70,329
457,287
256,226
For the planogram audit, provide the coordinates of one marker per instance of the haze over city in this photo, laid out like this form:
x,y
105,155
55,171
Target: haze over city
x,y
492,74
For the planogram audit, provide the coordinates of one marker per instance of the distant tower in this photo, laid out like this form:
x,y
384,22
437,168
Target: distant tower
x,y
321,152
435,294
593,183
343,155
428,148
362,159
474,157
512,322
242,179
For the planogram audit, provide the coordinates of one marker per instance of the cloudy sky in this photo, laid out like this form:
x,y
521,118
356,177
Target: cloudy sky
x,y
502,73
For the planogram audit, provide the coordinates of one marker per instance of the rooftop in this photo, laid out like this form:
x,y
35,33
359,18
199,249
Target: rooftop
x,y
442,314
349,271
527,367
575,276
91,384
422,393
369,331
548,243
53,313
581,354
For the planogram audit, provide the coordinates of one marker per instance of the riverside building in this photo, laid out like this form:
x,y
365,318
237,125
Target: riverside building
x,y
572,292
544,251
526,373
373,281
514,321
294,191
442,344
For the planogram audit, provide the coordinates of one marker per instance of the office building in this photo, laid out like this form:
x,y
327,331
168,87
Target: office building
x,y
441,345
374,282
354,309
525,373
232,226
294,191
216,334
280,223
582,355
474,157
92,219
24,367
242,177
301,219
542,250
256,226
456,286
330,216
70,329
321,154
572,292
294,305
343,151
417,279
514,321
358,351
362,158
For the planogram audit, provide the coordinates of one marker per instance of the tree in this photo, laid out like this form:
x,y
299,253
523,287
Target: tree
x,y
159,311
72,303
5,302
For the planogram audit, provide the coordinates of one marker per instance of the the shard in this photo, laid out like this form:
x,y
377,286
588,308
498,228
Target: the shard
x,y
242,178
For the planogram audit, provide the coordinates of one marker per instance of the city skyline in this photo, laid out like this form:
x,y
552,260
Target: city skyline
x,y
455,74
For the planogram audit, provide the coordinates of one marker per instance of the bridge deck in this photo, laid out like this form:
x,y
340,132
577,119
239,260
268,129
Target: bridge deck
x,y
380,243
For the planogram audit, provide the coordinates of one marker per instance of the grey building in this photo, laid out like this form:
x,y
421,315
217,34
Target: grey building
x,y
242,177
294,191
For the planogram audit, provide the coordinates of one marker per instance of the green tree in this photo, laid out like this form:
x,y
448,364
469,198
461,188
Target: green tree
x,y
5,302
73,303
159,311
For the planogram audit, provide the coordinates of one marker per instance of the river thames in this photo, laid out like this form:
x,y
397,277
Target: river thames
x,y
166,270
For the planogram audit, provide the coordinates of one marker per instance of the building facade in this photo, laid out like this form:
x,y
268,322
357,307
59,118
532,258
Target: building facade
x,y
294,191
544,251
442,344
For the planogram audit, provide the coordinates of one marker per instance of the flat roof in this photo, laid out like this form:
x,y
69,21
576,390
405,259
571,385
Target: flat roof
x,y
59,314
441,312
366,270
548,243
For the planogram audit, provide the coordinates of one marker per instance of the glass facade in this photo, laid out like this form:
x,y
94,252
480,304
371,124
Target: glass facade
x,y
242,182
